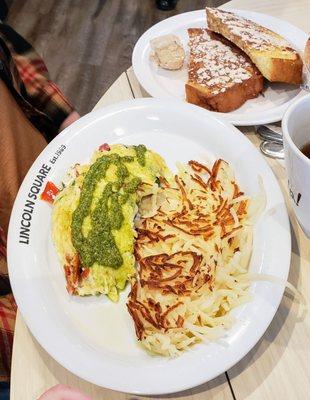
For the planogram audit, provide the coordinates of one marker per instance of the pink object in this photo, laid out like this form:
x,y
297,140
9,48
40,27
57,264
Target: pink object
x,y
307,54
104,147
62,392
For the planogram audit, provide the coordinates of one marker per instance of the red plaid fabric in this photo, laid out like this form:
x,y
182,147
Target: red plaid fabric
x,y
26,76
7,318
44,93
8,310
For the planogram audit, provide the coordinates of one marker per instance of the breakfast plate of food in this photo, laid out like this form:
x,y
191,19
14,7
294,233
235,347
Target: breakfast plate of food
x,y
149,247
245,66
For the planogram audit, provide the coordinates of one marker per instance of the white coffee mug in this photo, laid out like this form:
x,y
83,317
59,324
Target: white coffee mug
x,y
296,133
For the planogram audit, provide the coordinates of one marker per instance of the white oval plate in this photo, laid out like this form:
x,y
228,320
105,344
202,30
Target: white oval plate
x,y
163,84
94,338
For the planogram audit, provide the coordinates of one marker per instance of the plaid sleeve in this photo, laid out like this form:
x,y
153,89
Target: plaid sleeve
x,y
8,310
42,92
37,89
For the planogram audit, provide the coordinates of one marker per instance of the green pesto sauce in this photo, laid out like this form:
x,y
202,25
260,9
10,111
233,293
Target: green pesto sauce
x,y
99,245
140,152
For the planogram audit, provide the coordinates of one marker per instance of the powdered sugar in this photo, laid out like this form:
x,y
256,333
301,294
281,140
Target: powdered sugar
x,y
250,32
214,63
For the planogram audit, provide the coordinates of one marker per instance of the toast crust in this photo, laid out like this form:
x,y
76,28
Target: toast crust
x,y
221,77
232,99
270,52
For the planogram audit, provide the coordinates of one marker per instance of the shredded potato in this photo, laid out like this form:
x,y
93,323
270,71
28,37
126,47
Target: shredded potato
x,y
193,248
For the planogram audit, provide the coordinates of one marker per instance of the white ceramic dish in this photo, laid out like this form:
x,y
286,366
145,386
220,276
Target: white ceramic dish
x,y
95,338
164,84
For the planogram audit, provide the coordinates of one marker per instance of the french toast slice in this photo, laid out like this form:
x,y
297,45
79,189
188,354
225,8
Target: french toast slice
x,y
220,76
270,52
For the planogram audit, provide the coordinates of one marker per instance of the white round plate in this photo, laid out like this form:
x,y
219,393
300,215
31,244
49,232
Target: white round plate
x,y
94,338
164,84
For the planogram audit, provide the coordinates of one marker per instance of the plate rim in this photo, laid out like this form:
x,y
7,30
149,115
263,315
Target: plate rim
x,y
138,69
71,131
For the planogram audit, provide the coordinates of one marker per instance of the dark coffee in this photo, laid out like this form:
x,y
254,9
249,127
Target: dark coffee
x,y
306,149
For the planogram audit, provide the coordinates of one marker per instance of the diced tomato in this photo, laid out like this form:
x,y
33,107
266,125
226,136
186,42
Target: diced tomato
x,y
85,273
49,192
104,147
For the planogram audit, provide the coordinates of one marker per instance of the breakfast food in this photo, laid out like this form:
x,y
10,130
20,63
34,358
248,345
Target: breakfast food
x,y
92,222
193,249
220,76
271,53
184,241
168,52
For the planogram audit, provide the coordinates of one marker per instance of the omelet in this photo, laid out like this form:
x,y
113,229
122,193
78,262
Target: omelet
x,y
93,217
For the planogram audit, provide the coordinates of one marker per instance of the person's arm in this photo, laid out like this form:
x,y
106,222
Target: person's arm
x,y
38,89
44,94
62,392
307,54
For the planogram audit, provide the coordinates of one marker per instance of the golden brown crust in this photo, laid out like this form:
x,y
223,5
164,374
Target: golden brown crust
x,y
287,71
277,63
210,96
228,101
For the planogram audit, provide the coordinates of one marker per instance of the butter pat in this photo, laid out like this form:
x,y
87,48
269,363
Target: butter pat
x,y
168,52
